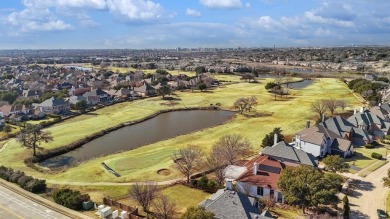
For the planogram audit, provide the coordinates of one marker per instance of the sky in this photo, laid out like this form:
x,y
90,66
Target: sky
x,y
168,24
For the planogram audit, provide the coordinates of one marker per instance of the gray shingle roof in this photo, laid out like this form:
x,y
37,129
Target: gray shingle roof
x,y
53,102
233,205
283,151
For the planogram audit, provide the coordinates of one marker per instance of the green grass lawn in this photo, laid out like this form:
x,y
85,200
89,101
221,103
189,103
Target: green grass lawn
x,y
373,167
362,157
184,196
142,164
388,203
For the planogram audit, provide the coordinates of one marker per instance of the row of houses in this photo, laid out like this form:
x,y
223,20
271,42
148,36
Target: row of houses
x,y
258,178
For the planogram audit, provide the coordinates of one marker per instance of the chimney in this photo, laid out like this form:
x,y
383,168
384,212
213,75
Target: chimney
x,y
354,111
229,184
323,117
362,109
379,104
255,168
308,124
275,138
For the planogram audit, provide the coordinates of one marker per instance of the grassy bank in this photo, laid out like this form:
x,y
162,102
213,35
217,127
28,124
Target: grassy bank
x,y
143,163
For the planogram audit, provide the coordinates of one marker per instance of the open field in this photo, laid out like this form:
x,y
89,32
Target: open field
x,y
142,164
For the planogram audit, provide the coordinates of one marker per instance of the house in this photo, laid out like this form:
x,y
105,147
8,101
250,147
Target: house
x,y
8,109
226,204
53,105
73,100
289,155
372,122
257,178
122,93
31,94
96,96
145,90
2,120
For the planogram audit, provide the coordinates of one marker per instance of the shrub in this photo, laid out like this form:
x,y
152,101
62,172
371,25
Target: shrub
x,y
202,183
376,155
26,182
211,184
70,198
369,146
387,137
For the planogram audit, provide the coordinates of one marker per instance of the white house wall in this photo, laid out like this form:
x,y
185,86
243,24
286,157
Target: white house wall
x,y
240,187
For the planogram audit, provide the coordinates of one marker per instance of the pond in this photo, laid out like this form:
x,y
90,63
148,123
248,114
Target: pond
x,y
161,127
299,84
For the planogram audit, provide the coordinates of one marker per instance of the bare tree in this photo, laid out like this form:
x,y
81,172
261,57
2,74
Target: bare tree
x,y
188,160
144,193
288,80
216,162
331,104
245,104
268,201
232,146
342,104
318,107
31,135
164,208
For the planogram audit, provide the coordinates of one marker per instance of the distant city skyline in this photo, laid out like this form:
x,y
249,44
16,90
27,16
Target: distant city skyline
x,y
149,24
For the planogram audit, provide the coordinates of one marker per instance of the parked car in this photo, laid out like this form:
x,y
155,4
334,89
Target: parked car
x,y
381,214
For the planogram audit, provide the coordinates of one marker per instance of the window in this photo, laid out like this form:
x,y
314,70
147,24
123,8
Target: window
x,y
260,191
271,193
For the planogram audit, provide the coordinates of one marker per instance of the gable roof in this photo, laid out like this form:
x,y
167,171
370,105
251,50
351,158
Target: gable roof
x,y
229,204
267,175
338,125
51,102
340,144
288,153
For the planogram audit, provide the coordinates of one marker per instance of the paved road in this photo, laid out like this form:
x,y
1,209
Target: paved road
x,y
369,195
14,206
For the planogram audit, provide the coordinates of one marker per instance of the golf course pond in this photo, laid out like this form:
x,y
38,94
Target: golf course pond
x,y
164,126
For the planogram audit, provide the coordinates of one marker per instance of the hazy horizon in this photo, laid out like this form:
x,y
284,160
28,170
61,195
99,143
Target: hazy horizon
x,y
157,24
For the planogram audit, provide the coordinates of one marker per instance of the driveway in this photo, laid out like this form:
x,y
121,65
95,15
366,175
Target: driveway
x,y
14,206
369,194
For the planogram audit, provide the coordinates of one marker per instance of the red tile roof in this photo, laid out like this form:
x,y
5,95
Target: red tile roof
x,y
263,178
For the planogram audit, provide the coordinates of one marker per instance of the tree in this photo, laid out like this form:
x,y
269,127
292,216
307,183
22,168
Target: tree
x,y
307,187
70,198
202,86
341,104
230,147
245,103
268,201
216,163
268,140
164,208
331,104
197,213
144,193
32,135
346,207
271,85
200,69
386,180
335,163
318,107
188,160
7,129
164,90
81,105
248,77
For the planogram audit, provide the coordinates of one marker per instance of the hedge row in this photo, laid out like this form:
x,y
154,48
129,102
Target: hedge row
x,y
26,182
70,198
376,156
